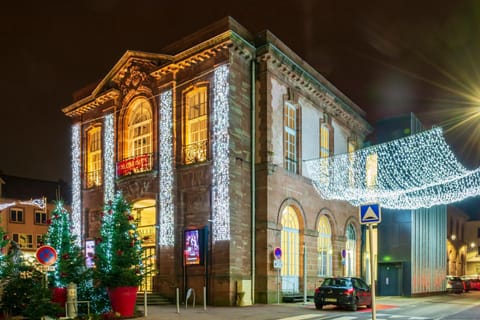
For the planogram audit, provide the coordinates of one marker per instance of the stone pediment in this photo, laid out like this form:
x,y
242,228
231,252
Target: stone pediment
x,y
132,71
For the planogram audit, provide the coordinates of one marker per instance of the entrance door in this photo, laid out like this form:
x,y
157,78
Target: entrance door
x,y
149,263
389,279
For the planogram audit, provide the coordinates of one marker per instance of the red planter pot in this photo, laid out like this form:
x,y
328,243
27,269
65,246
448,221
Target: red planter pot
x,y
123,300
59,296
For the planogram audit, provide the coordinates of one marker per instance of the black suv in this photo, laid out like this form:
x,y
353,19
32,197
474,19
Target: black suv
x,y
346,292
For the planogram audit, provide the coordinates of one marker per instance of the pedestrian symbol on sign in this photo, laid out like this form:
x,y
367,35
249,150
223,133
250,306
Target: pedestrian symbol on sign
x,y
370,213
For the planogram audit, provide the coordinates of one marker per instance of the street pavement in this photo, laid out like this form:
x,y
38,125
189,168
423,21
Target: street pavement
x,y
285,311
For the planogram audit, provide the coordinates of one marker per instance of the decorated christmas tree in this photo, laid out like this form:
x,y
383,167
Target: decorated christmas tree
x,y
118,256
70,265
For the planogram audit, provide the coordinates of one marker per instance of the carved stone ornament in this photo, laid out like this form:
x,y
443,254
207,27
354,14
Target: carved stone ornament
x,y
133,75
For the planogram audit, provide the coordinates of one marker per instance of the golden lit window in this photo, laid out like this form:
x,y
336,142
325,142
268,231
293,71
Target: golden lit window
x,y
140,128
352,147
94,157
324,151
371,170
196,125
290,244
290,137
324,247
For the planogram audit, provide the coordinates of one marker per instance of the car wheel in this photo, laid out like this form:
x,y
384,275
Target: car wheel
x,y
318,306
354,307
369,306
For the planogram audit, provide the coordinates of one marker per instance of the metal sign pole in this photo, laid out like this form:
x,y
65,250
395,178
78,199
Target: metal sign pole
x,y
372,272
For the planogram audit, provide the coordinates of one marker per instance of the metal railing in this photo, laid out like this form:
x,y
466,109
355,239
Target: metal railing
x,y
196,152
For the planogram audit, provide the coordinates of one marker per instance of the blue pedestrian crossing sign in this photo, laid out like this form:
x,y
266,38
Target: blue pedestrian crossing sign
x,y
370,213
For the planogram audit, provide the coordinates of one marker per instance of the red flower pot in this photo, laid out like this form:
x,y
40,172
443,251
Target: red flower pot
x,y
123,300
59,296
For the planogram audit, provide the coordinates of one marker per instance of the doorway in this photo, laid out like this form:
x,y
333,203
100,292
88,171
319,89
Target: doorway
x,y
390,279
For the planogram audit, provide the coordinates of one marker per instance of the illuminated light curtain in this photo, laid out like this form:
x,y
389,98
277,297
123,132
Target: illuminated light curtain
x,y
108,159
418,171
220,156
76,184
166,237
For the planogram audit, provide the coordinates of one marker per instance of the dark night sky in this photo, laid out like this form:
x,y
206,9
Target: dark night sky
x,y
390,57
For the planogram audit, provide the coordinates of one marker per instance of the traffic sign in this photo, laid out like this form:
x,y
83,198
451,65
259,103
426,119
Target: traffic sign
x,y
46,255
370,213
277,264
277,252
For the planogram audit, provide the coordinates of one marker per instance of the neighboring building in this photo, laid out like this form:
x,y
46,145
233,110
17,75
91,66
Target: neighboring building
x,y
456,241
411,243
472,241
210,135
26,221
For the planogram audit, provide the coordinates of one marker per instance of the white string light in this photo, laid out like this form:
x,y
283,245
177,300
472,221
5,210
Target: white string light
x,y
166,237
6,205
220,146
76,184
109,158
418,171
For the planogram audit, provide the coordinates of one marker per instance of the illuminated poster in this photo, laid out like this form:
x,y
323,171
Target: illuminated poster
x,y
192,247
90,253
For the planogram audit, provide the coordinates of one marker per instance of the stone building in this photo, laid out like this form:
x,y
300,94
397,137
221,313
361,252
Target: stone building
x,y
206,140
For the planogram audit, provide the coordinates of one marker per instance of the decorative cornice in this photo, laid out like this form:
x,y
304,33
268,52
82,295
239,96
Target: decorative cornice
x,y
326,99
89,103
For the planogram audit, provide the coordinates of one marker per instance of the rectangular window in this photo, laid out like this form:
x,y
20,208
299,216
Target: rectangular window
x,y
16,215
24,240
196,125
371,170
94,158
290,138
39,240
352,147
40,217
478,233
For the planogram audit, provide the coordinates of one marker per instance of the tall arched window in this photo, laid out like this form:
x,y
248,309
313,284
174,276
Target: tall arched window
x,y
324,247
196,125
350,248
290,238
140,128
94,157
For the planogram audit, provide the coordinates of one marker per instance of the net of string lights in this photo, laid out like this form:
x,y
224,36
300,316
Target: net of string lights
x,y
418,171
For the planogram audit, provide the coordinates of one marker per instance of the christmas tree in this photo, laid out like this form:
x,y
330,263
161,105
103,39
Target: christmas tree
x,y
70,265
118,256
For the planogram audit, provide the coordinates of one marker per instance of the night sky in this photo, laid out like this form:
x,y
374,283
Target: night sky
x,y
389,57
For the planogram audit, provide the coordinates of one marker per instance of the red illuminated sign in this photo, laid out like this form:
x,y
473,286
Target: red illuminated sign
x,y
133,165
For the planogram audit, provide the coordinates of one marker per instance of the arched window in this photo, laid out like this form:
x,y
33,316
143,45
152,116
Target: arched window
x,y
140,128
324,247
290,239
196,125
350,251
94,157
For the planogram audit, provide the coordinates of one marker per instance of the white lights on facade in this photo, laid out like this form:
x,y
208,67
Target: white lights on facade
x,y
220,156
166,237
76,184
418,171
109,158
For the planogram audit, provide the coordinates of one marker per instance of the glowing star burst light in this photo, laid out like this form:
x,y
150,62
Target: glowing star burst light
x,y
418,171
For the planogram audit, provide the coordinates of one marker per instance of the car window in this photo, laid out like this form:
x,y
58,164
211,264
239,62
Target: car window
x,y
360,284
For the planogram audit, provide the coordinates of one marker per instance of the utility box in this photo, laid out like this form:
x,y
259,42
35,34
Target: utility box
x,y
244,292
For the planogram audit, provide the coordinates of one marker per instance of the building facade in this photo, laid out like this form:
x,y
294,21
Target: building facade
x,y
25,206
206,140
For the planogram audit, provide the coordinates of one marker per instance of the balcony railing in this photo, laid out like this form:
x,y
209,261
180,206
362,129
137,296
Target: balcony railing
x,y
135,165
94,179
196,152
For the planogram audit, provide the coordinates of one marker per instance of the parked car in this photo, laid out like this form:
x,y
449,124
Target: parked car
x,y
454,284
475,284
346,292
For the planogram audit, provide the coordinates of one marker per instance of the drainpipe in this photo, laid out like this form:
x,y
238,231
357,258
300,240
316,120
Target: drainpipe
x,y
252,174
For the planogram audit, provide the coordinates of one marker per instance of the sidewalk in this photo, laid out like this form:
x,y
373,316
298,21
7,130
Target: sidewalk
x,y
259,311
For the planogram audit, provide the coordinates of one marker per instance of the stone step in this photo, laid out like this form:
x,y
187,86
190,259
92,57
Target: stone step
x,y
153,299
